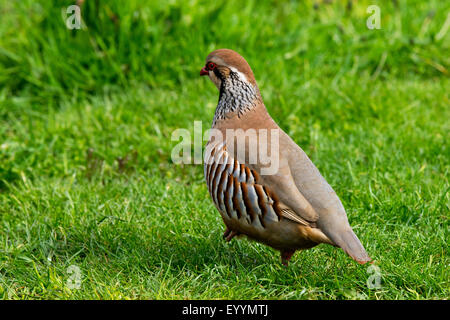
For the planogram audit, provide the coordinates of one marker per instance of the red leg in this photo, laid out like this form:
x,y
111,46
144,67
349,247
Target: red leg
x,y
286,255
226,233
231,235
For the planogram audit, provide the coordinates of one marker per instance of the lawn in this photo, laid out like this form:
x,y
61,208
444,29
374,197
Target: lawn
x,y
93,207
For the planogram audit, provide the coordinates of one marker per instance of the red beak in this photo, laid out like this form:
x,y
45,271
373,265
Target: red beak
x,y
204,72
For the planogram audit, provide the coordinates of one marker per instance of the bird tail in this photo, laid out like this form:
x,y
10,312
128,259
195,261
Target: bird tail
x,y
349,242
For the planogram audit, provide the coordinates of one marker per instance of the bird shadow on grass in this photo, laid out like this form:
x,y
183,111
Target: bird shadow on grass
x,y
156,251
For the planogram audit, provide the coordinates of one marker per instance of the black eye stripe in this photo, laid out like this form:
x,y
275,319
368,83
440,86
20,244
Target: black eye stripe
x,y
218,74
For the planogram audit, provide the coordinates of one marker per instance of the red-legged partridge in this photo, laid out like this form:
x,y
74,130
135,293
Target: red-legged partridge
x,y
288,206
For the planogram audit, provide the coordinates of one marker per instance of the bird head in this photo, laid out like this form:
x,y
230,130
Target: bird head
x,y
222,64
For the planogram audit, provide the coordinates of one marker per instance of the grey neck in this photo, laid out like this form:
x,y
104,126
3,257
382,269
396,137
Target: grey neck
x,y
236,96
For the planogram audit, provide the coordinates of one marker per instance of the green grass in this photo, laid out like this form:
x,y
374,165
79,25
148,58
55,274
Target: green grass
x,y
86,118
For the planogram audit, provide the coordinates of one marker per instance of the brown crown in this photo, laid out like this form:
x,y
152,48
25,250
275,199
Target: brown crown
x,y
232,59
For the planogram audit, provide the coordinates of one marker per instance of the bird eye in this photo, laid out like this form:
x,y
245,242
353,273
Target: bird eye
x,y
210,66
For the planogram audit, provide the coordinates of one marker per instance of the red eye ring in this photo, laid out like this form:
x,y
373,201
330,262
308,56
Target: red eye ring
x,y
210,66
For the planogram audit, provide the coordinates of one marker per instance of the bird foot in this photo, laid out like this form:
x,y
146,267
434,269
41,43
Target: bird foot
x,y
229,234
286,256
